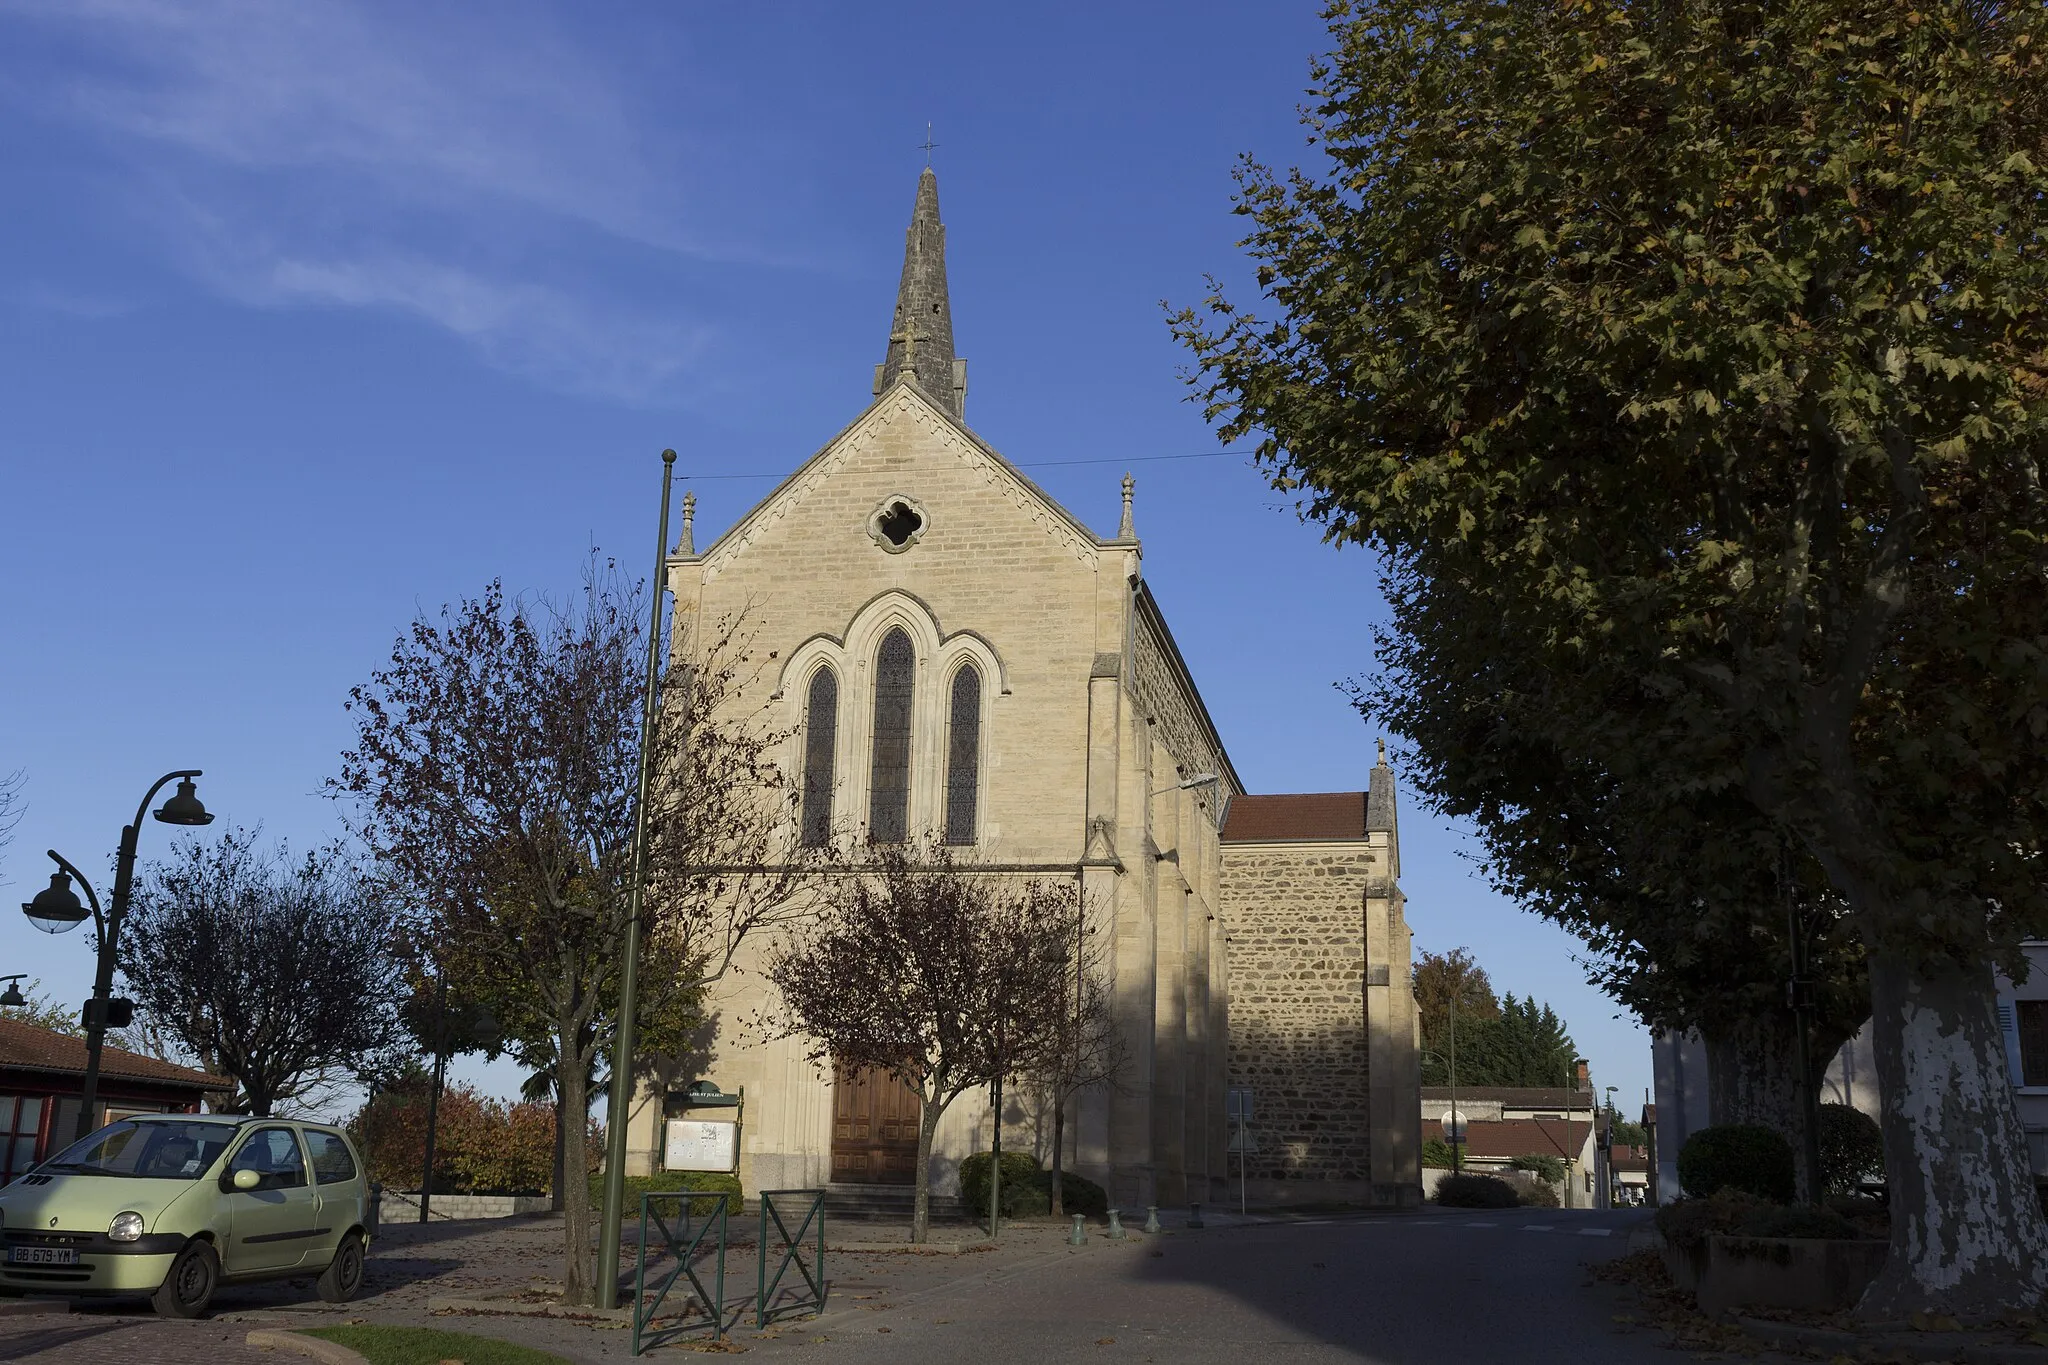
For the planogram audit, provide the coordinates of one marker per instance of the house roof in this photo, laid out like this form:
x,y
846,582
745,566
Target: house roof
x,y
1299,816
1516,1137
1625,1158
25,1047
1513,1096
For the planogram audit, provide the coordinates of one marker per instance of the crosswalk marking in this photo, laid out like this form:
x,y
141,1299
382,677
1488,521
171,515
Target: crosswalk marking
x,y
1536,1227
1595,1232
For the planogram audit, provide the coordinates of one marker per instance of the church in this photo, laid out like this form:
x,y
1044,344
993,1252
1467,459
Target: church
x,y
958,657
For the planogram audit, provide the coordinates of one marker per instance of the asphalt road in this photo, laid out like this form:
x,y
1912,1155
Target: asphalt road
x,y
1440,1288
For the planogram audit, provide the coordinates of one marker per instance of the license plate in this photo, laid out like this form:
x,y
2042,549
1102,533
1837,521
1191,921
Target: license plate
x,y
42,1256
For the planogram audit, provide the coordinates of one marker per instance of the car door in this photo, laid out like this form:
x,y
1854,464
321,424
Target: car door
x,y
272,1226
338,1188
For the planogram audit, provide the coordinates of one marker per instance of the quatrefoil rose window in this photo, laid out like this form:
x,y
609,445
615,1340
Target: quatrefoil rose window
x,y
897,524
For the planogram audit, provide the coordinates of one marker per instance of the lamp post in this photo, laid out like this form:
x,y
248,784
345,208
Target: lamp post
x,y
13,999
56,910
621,1106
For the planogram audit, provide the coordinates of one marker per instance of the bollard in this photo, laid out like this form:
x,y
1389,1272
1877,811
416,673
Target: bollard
x,y
1079,1236
1116,1227
1151,1218
1194,1215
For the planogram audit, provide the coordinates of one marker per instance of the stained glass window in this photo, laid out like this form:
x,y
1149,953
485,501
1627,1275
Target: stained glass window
x,y
889,776
963,756
821,735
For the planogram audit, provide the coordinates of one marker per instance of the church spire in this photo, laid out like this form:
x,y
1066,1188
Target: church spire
x,y
921,334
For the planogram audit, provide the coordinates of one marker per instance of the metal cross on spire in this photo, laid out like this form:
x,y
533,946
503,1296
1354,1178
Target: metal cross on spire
x,y
928,144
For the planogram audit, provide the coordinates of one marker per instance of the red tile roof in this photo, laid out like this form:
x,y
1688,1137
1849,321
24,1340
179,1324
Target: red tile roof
x,y
1513,1096
1516,1137
26,1047
1300,815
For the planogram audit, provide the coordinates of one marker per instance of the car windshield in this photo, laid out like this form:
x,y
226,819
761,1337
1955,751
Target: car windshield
x,y
150,1151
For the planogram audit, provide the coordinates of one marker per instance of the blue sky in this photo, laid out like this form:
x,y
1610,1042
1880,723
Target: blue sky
x,y
313,316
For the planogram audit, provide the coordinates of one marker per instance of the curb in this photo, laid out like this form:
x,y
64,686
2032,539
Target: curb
x,y
916,1248
511,1309
313,1348
1929,1347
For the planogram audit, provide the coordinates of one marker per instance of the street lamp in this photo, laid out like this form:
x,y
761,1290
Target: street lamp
x,y
56,910
13,999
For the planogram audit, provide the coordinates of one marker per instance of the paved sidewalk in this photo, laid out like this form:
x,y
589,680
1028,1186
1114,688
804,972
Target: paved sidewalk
x,y
109,1339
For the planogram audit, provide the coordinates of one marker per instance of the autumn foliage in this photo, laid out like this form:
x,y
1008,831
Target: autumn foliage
x,y
482,1145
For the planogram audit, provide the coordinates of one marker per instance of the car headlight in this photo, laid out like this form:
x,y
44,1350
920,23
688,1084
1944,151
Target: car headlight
x,y
126,1227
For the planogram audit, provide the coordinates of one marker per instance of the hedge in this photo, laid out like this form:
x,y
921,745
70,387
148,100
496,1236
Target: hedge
x,y
1476,1192
1027,1190
668,1182
1737,1156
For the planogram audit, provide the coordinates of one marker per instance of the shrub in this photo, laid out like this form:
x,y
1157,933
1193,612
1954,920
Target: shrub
x,y
1078,1194
1797,1220
1851,1147
1550,1168
1476,1192
1688,1223
1737,1156
1436,1153
1540,1194
481,1145
1027,1191
668,1182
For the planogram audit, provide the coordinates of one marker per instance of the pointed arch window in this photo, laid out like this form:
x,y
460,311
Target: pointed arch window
x,y
821,742
963,755
889,772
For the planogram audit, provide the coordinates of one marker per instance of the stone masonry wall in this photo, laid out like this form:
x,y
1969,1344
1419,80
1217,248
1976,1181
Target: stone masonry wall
x,y
1294,921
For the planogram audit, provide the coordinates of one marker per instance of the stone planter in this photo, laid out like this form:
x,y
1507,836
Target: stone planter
x,y
1686,1265
1817,1274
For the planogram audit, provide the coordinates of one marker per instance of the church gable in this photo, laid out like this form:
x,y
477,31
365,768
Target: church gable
x,y
902,434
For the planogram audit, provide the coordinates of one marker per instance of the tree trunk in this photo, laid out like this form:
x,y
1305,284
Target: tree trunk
x,y
561,1156
570,1085
921,1197
1753,1077
1968,1237
1059,1139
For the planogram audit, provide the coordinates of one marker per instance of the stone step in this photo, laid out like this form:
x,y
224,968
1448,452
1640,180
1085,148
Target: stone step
x,y
893,1202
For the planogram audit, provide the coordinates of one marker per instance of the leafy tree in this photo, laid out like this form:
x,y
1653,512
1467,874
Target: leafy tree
x,y
1705,345
45,1011
978,981
1541,1164
1680,892
1444,978
495,772
274,972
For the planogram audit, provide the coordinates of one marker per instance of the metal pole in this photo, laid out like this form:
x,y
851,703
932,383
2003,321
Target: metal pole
x,y
434,1095
621,1108
110,939
1800,993
1458,1143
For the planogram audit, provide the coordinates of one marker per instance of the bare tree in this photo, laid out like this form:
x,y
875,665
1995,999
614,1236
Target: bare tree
x,y
940,974
1082,1048
495,770
276,973
10,806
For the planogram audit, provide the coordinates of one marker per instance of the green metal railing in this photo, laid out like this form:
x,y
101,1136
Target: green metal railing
x,y
677,1240
766,1287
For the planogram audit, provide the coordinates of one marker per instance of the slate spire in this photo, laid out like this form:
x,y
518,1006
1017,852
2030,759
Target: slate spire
x,y
921,334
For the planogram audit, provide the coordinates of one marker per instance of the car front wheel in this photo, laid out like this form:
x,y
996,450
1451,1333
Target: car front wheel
x,y
343,1278
189,1287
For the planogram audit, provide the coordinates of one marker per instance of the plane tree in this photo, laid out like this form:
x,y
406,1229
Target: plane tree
x,y
1705,343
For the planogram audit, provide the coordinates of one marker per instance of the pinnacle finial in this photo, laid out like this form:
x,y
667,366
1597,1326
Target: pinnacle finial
x,y
921,333
1383,753
687,545
1124,530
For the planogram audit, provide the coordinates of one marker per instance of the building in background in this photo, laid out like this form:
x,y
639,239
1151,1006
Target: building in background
x,y
42,1079
955,655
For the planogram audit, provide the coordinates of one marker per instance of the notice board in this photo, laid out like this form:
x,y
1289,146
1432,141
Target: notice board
x,y
701,1145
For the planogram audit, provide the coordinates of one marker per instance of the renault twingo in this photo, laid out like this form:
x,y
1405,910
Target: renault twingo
x,y
172,1206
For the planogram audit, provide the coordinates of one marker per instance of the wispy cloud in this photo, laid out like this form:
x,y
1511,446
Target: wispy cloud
x,y
441,161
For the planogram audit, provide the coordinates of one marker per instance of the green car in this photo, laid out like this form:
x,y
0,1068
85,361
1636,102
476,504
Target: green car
x,y
171,1206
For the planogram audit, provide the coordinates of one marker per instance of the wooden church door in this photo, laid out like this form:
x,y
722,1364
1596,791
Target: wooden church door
x,y
874,1129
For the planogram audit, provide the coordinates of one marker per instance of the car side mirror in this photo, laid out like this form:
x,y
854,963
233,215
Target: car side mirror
x,y
248,1180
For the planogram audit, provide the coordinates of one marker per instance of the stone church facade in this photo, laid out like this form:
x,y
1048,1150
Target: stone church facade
x,y
957,656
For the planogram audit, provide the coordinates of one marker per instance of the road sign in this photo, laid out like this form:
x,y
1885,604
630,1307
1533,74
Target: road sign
x,y
1237,1103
